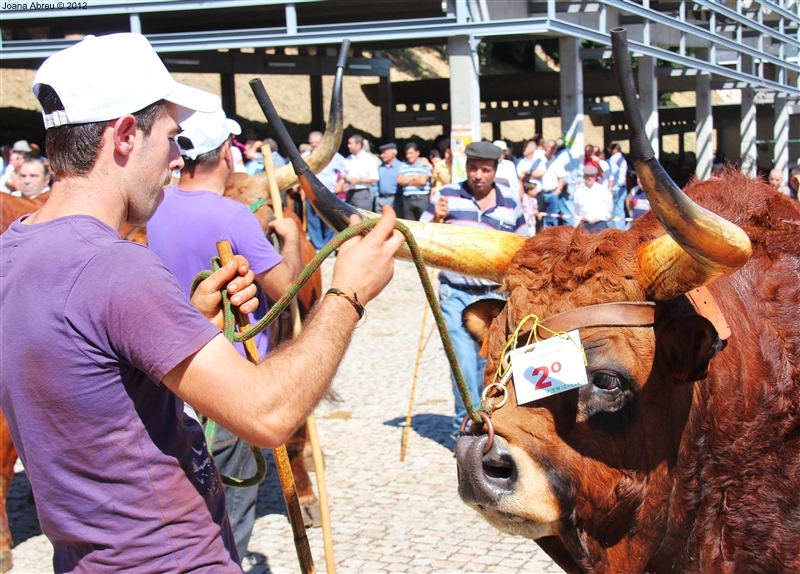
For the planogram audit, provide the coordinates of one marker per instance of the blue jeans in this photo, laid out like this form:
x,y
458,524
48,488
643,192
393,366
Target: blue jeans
x,y
453,301
550,206
619,194
234,458
318,231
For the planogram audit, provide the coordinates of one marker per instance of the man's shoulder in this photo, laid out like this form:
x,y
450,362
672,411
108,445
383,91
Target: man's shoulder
x,y
451,190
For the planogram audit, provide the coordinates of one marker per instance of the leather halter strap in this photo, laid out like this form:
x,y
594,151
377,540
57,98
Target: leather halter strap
x,y
629,314
621,314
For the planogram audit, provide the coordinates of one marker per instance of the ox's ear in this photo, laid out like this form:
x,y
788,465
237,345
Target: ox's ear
x,y
685,346
479,315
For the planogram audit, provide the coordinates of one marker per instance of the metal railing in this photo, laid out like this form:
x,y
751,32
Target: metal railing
x,y
750,42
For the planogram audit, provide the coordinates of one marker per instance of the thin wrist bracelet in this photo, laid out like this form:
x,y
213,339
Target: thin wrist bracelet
x,y
353,300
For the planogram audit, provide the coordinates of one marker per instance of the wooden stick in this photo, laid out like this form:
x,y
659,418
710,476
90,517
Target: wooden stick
x,y
281,457
311,421
420,348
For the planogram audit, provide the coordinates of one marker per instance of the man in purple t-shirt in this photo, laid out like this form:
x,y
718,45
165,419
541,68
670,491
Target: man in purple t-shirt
x,y
95,371
184,231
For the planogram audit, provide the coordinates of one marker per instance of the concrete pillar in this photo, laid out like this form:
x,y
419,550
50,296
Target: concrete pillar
x,y
747,124
387,109
465,93
496,131
747,132
317,105
648,100
780,151
228,91
571,98
704,126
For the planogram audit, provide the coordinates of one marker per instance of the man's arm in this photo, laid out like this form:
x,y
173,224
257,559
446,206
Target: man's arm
x,y
417,180
277,280
264,404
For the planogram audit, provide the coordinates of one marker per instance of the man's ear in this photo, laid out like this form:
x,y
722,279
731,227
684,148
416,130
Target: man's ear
x,y
123,132
227,155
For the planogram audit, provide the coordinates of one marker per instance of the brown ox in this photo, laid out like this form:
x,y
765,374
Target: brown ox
x,y
682,453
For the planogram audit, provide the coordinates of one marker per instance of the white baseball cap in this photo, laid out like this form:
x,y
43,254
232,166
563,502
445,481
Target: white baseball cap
x,y
501,144
206,132
103,78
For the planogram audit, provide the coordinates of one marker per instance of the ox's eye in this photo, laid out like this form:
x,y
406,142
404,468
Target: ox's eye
x,y
607,381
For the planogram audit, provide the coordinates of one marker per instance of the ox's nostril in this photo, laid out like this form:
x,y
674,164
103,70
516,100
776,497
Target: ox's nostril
x,y
494,471
499,469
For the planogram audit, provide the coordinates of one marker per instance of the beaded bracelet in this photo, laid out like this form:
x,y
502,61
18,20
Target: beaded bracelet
x,y
353,300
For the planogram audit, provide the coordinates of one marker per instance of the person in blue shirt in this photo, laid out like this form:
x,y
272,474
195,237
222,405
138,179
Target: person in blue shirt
x,y
387,177
414,178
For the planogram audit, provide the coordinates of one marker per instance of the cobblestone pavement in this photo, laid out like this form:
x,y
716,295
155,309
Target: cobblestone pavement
x,y
387,515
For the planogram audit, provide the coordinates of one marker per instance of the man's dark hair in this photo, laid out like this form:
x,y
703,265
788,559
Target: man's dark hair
x,y
73,148
615,147
412,145
203,161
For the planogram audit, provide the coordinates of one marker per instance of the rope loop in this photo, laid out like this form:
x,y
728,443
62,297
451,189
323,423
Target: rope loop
x,y
361,228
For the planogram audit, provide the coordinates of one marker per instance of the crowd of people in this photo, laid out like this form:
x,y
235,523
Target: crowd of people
x,y
553,185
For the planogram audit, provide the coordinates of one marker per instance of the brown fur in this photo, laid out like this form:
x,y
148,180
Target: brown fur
x,y
694,474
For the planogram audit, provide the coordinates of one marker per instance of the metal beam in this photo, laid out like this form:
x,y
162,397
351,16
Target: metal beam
x,y
112,7
570,29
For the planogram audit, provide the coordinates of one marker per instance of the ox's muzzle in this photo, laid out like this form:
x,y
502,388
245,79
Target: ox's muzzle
x,y
484,479
507,487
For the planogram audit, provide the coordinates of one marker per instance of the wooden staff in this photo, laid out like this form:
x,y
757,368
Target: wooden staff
x,y
280,454
311,421
420,348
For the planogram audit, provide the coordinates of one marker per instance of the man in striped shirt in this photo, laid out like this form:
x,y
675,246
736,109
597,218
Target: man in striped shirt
x,y
414,179
479,201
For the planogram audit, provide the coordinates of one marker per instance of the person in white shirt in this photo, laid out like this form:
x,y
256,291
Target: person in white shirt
x,y
593,201
549,200
506,171
619,165
361,173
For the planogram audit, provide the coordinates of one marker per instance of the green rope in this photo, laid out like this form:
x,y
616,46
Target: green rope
x,y
258,205
229,323
359,229
210,426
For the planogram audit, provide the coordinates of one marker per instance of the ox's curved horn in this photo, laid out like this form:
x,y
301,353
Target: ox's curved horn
x,y
331,139
700,245
475,252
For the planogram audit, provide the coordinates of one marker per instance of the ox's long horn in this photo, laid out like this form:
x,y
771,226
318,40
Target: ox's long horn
x,y
700,245
475,252
331,139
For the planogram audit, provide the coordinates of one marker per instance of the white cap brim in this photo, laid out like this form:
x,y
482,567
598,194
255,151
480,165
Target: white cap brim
x,y
233,126
192,100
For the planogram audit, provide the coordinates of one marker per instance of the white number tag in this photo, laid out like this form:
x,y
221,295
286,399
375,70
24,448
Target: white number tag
x,y
548,367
